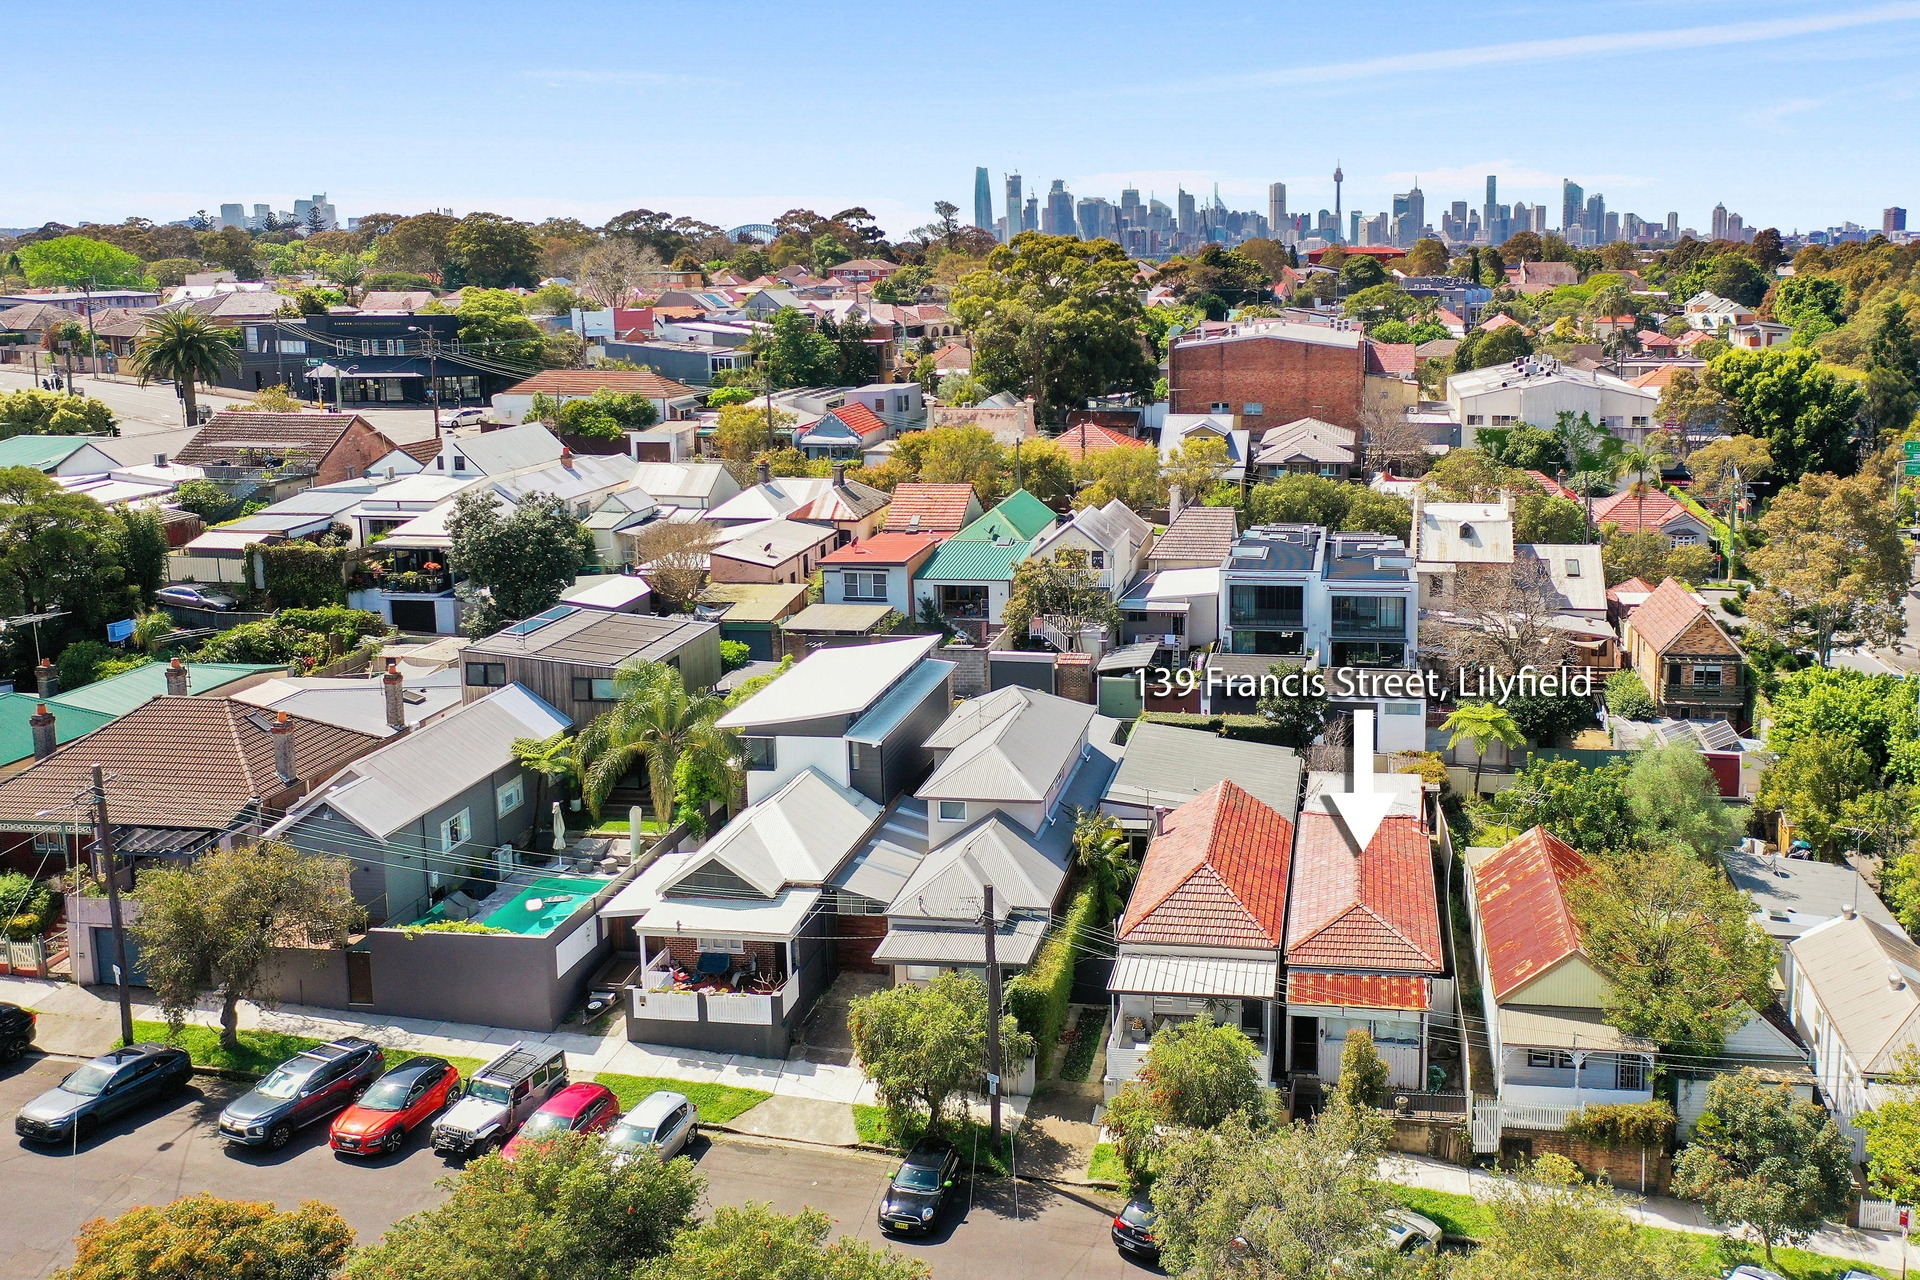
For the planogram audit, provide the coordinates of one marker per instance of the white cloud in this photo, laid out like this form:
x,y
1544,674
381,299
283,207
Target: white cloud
x,y
559,77
1779,111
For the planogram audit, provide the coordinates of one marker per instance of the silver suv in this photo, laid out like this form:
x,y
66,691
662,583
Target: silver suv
x,y
499,1098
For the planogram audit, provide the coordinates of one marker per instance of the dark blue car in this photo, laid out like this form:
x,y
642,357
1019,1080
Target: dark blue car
x,y
110,1085
306,1087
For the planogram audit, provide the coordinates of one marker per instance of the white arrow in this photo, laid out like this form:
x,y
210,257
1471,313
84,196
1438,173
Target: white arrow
x,y
1362,809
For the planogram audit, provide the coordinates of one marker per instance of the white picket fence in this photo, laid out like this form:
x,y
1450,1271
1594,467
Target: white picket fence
x,y
1490,1117
1881,1215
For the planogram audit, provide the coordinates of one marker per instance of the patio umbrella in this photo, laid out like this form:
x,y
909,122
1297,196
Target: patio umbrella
x,y
559,830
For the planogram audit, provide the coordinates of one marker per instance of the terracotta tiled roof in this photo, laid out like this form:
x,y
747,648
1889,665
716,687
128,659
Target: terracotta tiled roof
x,y
1199,533
179,762
1389,357
584,382
1217,876
230,433
940,507
1657,378
858,418
1501,321
953,356
1091,437
1656,340
1650,511
1374,911
1553,486
422,450
1524,916
1359,990
1662,616
1632,586
884,549
34,316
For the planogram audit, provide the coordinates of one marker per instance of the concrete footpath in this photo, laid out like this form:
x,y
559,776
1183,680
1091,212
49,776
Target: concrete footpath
x,y
1882,1249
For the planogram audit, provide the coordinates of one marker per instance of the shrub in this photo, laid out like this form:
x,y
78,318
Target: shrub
x,y
1627,696
1182,720
1256,729
1038,998
734,654
26,905
303,575
1624,1124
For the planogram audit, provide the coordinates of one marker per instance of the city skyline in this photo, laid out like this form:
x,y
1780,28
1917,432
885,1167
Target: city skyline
x,y
1794,156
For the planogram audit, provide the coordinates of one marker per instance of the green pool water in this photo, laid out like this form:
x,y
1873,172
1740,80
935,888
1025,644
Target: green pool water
x,y
559,898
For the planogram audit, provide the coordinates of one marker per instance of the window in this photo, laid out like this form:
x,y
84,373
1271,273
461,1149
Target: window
x,y
1504,419
1685,538
510,797
1249,605
761,753
1219,406
731,946
455,831
1476,419
863,586
253,339
1632,1073
1550,1059
1573,568
1369,613
488,675
1401,708
591,689
459,463
1096,559
1707,676
293,346
1253,408
1642,422
953,811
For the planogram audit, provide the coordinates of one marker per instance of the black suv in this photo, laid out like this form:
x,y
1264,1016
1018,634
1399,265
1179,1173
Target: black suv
x,y
307,1087
110,1084
16,1031
919,1190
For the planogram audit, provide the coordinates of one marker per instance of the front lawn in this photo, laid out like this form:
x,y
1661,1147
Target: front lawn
x,y
262,1051
1464,1216
1105,1167
718,1103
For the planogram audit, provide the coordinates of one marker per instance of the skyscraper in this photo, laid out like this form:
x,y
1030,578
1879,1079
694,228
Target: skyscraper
x,y
982,200
1277,206
1338,178
1595,221
1673,228
1490,212
1030,219
1891,220
1014,206
1132,212
1189,212
1059,212
1720,222
1572,202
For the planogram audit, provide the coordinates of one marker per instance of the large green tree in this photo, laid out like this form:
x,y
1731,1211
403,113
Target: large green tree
x,y
418,244
494,326
1764,1160
1673,795
493,252
199,1237
752,1242
223,920
515,564
77,262
186,349
1549,1222
1834,568
657,720
562,1208
1804,412
1057,318
1062,588
59,550
924,1046
32,412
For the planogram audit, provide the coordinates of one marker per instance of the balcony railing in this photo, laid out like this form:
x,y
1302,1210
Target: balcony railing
x,y
1370,631
1271,619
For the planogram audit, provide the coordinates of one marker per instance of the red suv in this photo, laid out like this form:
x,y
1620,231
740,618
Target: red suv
x,y
578,1108
395,1104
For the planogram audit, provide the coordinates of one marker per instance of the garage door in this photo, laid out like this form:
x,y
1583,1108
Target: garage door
x,y
103,957
415,615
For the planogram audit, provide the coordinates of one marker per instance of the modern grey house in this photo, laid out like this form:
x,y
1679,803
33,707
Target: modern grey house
x,y
1166,766
568,656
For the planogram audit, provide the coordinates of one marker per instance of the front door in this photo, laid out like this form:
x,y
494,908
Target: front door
x,y
1306,1045
359,977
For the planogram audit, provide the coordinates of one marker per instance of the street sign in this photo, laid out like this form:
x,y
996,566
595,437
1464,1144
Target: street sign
x,y
1910,448
993,1083
1911,467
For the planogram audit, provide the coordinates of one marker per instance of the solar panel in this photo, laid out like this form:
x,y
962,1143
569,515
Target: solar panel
x,y
539,620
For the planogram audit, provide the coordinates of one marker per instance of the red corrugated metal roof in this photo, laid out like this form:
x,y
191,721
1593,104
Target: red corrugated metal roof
x,y
1377,910
1216,876
1360,990
885,549
1524,917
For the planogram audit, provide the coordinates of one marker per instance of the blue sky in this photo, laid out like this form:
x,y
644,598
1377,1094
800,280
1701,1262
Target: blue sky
x,y
1794,114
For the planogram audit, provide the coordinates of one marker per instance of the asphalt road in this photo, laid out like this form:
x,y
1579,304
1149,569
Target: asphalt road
x,y
169,1150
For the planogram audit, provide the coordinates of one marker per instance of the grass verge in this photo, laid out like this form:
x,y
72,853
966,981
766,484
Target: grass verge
x,y
1465,1216
262,1051
969,1137
718,1103
1105,1166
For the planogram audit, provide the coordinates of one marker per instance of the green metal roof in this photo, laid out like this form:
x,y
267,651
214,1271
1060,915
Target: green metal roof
x,y
1019,516
16,735
972,561
40,452
130,690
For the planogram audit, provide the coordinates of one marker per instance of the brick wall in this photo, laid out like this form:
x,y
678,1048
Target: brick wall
x,y
359,449
1647,1170
1073,676
969,671
1288,380
686,954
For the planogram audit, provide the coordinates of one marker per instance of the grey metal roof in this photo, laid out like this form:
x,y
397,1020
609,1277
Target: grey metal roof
x,y
509,449
386,789
1792,895
1169,766
841,681
1008,745
949,883
892,850
356,702
1867,979
797,836
1015,942
886,714
1246,977
776,542
850,618
594,637
1130,658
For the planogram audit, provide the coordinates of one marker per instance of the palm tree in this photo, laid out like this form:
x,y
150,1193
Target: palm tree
x,y
657,719
1641,461
1482,724
186,349
150,628
1101,852
551,759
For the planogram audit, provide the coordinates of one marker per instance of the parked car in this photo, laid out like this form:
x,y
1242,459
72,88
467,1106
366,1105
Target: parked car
x,y
578,1108
499,1098
16,1031
1409,1232
393,1106
306,1087
189,596
664,1123
110,1085
919,1189
1748,1271
470,416
1133,1230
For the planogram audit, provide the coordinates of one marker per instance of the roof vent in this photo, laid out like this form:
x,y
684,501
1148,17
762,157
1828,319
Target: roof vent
x,y
1896,980
1466,532
1847,912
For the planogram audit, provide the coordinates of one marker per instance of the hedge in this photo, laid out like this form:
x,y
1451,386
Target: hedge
x,y
1038,999
303,575
1625,1124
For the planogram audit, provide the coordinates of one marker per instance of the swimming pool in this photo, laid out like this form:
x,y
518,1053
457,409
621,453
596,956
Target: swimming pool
x,y
544,905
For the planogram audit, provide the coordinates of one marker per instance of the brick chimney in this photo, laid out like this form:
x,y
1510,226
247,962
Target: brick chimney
x,y
396,704
41,722
839,474
1073,676
763,473
1159,827
1176,503
47,678
176,679
282,732
566,456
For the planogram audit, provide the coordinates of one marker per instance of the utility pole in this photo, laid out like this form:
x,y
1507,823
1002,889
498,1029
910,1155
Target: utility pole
x,y
993,1024
110,863
93,341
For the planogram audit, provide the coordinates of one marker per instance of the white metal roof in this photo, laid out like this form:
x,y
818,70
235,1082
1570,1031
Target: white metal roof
x,y
1249,978
730,917
1015,942
950,882
840,681
1867,979
799,835
1008,745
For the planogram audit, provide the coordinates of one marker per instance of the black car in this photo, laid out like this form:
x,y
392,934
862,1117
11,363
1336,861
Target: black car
x,y
16,1031
307,1087
112,1083
919,1190
1133,1230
